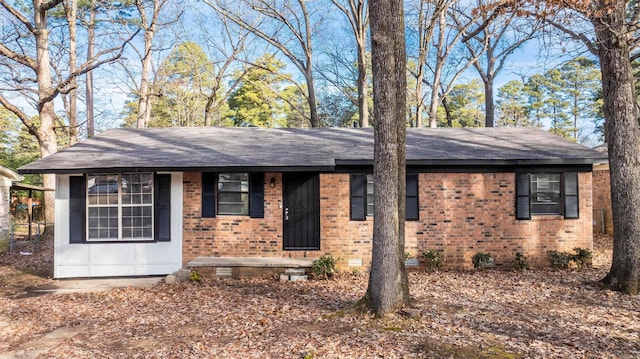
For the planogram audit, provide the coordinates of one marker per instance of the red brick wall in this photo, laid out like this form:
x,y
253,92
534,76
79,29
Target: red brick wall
x,y
460,213
238,236
466,213
602,214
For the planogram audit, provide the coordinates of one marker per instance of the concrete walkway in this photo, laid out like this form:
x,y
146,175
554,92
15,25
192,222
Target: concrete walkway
x,y
66,286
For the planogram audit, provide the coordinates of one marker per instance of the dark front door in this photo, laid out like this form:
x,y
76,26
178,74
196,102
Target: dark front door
x,y
301,213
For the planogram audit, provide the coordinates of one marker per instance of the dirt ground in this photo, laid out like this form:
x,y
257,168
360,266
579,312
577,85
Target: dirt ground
x,y
482,314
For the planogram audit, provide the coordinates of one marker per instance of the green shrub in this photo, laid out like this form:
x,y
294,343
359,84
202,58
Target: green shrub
x,y
433,259
583,257
559,260
195,276
324,267
521,261
481,260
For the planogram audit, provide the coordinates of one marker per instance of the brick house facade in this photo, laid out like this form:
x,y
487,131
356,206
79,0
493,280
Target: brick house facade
x,y
148,201
459,213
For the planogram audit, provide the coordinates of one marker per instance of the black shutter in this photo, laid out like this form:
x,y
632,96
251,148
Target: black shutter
x,y
523,196
208,194
571,203
162,204
412,205
358,197
256,195
77,209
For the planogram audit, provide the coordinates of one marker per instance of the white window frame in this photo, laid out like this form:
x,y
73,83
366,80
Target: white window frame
x,y
120,205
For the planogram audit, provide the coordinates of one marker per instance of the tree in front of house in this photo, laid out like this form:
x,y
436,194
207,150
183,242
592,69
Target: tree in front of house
x,y
388,288
608,29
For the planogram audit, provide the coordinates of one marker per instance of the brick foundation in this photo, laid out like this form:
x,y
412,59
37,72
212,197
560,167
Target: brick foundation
x,y
460,214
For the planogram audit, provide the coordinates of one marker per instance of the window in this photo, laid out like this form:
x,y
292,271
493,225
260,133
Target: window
x,y
547,194
361,188
370,195
233,193
120,206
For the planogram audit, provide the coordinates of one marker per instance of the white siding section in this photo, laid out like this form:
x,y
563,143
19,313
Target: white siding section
x,y
115,259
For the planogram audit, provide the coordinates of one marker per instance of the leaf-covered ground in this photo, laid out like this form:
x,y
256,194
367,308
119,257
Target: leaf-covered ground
x,y
485,314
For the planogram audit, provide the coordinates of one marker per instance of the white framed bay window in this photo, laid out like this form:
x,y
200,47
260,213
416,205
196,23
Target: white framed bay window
x,y
120,207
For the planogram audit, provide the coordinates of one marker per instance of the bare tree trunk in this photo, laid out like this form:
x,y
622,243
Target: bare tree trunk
x,y
313,107
419,101
447,111
311,91
91,38
363,97
388,288
400,54
425,32
208,107
149,27
489,105
358,17
623,139
576,92
71,11
46,133
437,73
144,101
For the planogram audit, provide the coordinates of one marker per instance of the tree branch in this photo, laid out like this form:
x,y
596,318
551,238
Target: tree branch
x,y
576,36
91,64
256,31
50,5
18,16
496,12
21,59
21,115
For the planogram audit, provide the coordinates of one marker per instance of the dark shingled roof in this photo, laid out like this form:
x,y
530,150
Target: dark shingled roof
x,y
322,149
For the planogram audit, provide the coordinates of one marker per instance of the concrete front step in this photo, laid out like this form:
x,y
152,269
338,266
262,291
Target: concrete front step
x,y
293,275
248,267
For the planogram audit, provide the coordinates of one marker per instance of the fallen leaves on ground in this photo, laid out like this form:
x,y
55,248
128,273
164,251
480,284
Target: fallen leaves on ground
x,y
29,265
483,314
